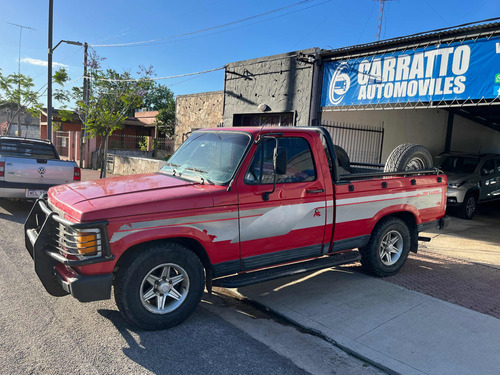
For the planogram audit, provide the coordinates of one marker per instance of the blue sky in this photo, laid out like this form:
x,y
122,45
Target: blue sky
x,y
314,23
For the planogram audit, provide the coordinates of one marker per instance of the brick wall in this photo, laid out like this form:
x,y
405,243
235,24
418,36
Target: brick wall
x,y
195,111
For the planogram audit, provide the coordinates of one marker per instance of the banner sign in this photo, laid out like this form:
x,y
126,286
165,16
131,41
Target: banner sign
x,y
456,71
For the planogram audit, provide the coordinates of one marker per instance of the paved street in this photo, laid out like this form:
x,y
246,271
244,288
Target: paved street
x,y
42,334
47,335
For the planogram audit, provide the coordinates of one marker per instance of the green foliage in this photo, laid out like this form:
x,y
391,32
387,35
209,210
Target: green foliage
x,y
160,98
18,89
114,96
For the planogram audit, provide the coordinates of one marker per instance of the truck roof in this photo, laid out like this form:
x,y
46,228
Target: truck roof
x,y
268,129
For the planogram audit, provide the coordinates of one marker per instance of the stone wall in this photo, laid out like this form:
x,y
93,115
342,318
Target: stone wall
x,y
281,82
126,165
196,111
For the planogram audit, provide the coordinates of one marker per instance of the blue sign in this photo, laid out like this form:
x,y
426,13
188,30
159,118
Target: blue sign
x,y
447,72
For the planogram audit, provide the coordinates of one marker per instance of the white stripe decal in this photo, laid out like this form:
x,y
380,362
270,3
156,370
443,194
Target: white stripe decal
x,y
369,206
382,197
254,223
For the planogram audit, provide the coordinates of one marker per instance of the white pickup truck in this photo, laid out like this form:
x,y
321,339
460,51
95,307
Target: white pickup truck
x,y
29,167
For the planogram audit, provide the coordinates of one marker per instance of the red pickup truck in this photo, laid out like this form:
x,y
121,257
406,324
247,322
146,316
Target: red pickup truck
x,y
233,206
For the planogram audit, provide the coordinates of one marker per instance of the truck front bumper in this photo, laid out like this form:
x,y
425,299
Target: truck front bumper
x,y
44,238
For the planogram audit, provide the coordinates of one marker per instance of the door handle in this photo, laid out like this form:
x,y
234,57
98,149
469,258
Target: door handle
x,y
317,191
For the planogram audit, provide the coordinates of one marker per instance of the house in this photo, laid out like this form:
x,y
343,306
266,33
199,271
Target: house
x,y
11,117
136,134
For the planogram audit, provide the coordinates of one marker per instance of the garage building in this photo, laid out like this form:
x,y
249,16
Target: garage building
x,y
439,89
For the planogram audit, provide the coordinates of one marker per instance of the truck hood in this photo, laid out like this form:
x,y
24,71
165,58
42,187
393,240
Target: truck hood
x,y
128,195
455,177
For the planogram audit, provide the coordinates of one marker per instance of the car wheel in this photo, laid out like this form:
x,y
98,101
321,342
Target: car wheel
x,y
408,157
388,248
468,207
159,287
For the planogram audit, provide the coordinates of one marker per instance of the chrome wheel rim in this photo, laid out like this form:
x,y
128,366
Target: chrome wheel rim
x,y
415,164
391,248
470,208
164,288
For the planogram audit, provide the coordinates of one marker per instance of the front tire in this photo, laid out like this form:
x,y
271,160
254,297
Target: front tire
x,y
468,207
387,249
159,287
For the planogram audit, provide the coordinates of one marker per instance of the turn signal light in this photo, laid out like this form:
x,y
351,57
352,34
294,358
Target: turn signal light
x,y
86,243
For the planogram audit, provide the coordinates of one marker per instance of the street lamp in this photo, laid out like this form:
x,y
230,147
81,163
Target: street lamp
x,y
49,63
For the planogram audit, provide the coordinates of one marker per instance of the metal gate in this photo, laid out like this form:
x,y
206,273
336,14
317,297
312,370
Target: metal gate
x,y
362,143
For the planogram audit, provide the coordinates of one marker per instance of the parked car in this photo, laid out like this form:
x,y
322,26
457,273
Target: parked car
x,y
29,167
232,207
472,178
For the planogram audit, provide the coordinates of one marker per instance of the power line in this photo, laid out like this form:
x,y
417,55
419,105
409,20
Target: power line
x,y
203,30
241,26
153,79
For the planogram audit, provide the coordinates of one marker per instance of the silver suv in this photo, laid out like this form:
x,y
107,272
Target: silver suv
x,y
472,178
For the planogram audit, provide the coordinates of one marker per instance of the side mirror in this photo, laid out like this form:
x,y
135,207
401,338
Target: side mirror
x,y
281,159
484,172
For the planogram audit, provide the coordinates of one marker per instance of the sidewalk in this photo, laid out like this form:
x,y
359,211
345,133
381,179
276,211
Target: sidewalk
x,y
397,329
90,174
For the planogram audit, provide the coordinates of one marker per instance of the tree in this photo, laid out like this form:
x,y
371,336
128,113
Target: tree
x,y
112,98
160,98
16,91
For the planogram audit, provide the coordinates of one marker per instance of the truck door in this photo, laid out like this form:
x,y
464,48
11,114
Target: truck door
x,y
489,176
289,223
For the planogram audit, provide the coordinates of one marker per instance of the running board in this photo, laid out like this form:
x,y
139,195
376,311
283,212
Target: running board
x,y
267,274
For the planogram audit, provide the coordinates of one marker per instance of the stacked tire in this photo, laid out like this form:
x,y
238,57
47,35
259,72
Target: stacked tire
x,y
408,157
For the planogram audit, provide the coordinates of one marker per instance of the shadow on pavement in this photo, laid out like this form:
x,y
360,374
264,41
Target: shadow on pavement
x,y
204,343
15,210
458,281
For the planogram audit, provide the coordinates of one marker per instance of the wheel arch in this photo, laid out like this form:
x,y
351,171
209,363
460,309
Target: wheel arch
x,y
190,243
473,190
410,220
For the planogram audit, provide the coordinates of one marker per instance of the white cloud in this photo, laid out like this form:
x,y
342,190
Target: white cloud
x,y
29,60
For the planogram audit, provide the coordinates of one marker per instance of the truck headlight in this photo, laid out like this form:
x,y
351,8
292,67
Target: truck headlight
x,y
456,185
87,242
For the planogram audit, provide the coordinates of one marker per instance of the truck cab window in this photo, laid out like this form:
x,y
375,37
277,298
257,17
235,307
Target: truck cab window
x,y
299,167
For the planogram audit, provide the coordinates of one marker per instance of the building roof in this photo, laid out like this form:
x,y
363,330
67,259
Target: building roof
x,y
465,31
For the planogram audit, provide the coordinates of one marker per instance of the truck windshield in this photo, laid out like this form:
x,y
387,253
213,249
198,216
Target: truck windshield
x,y
459,164
208,156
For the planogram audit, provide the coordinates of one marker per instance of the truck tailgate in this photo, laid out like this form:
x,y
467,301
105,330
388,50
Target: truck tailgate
x,y
38,171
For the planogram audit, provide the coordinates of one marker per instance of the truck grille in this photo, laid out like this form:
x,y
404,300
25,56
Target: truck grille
x,y
74,244
67,242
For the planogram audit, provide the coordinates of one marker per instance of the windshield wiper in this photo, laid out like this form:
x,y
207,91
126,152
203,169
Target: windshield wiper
x,y
197,172
173,165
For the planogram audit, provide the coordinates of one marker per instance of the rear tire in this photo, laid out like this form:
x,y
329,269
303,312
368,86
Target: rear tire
x,y
408,157
468,207
387,249
159,287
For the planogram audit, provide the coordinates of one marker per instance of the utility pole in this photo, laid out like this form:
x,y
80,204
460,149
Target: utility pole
x,y
380,16
85,100
21,27
49,73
